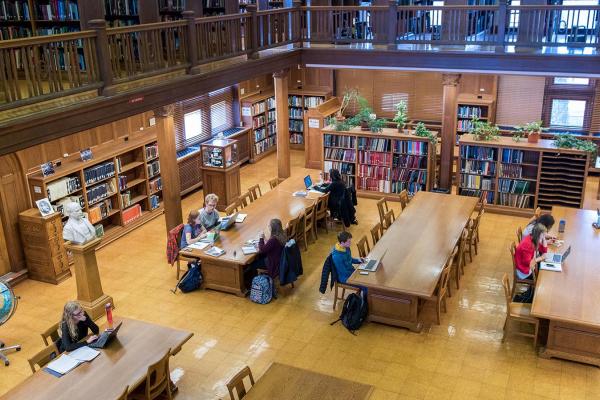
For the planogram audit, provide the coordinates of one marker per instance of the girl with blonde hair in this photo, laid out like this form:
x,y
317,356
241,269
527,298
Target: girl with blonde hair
x,y
74,327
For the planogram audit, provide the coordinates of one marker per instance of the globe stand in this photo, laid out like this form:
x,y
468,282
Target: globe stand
x,y
4,350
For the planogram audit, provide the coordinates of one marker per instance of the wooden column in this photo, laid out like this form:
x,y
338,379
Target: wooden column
x,y
282,125
450,85
169,170
89,287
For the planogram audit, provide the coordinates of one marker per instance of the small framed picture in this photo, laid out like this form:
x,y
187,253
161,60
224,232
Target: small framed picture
x,y
44,206
85,154
47,168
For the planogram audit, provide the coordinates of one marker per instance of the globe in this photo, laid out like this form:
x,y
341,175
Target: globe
x,y
8,305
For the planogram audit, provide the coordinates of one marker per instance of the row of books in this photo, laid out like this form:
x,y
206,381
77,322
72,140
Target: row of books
x,y
156,184
513,186
58,10
489,196
99,172
411,147
349,180
99,192
515,200
262,133
476,182
153,168
63,187
313,101
410,175
344,168
14,10
173,4
259,121
57,30
271,116
264,145
374,158
519,156
375,185
100,211
373,144
469,112
411,187
60,205
340,154
127,198
121,7
297,138
259,108
122,182
131,214
295,101
14,32
478,167
214,3
296,113
464,125
296,125
151,151
516,171
375,172
409,161
271,103
478,152
339,141
154,201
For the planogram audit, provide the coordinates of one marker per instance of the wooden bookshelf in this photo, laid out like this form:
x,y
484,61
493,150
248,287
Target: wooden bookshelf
x,y
469,106
125,193
315,119
258,113
299,101
380,164
517,177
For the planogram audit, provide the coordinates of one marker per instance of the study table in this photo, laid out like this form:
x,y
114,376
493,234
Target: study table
x,y
414,250
570,300
124,362
225,273
284,382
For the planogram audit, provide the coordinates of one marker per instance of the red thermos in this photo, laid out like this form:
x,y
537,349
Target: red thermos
x,y
109,317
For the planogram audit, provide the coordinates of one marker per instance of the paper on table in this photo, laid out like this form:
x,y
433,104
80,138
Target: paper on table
x,y
300,193
249,250
63,364
240,218
199,245
215,251
84,353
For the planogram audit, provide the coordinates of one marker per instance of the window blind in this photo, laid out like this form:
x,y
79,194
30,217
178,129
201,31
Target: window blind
x,y
221,113
200,121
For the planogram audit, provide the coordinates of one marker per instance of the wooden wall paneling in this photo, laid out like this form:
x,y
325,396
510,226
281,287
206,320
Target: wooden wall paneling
x,y
595,123
427,98
520,99
297,77
93,9
52,150
121,127
148,11
4,259
362,80
86,139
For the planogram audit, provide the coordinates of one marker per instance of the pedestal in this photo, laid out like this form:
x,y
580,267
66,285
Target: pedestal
x,y
225,183
89,288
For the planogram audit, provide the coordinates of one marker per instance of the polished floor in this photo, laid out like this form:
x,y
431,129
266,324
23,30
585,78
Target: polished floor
x,y
463,358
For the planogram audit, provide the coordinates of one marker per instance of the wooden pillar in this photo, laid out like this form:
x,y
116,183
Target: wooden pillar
x,y
89,287
169,170
450,95
236,109
282,124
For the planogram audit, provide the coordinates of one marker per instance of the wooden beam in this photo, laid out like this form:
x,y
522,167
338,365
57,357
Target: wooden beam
x,y
450,95
282,123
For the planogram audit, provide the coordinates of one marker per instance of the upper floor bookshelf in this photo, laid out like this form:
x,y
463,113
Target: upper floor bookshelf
x,y
299,101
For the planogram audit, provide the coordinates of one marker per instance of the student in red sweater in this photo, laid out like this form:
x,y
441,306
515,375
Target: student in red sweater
x,y
531,251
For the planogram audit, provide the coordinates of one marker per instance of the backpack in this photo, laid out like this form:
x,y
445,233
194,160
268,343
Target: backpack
x,y
191,280
354,312
261,291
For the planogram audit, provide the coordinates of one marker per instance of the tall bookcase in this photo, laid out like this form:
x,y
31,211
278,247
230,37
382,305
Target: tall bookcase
x,y
380,164
258,113
483,107
299,101
517,177
119,189
315,119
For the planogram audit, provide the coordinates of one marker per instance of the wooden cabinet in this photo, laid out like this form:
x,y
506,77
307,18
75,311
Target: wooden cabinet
x,y
43,243
221,170
315,119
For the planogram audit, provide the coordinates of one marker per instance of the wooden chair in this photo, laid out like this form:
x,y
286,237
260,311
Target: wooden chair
x,y
50,333
43,357
322,212
245,199
454,267
299,233
125,394
441,291
472,241
519,235
382,208
255,192
389,218
274,182
459,259
157,383
363,246
308,226
516,280
237,383
232,208
519,312
337,296
376,232
404,199
181,258
291,228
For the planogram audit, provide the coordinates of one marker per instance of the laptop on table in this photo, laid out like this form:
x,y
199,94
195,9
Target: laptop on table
x,y
554,261
228,221
105,337
308,183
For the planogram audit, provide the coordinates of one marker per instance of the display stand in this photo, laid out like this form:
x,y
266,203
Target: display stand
x,y
221,170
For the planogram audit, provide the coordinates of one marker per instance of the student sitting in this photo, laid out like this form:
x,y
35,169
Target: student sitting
x,y
193,231
342,257
209,216
340,201
529,253
74,327
269,252
545,219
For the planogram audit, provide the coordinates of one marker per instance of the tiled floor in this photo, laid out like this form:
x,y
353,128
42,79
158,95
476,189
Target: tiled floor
x,y
463,358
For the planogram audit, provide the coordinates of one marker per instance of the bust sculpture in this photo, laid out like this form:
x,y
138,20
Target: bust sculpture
x,y
77,229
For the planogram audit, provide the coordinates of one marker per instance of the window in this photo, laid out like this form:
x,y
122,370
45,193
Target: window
x,y
192,125
389,101
217,117
571,81
513,21
436,15
221,110
578,17
567,113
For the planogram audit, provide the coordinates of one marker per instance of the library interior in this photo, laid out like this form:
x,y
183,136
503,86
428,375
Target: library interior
x,y
300,199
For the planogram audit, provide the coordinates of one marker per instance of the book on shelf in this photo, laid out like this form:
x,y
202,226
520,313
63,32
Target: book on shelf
x,y
100,211
478,152
122,182
410,147
489,195
60,205
271,115
297,138
477,167
259,108
151,151
154,201
339,141
410,187
62,187
121,7
296,113
259,121
343,167
313,101
375,185
295,101
270,103
264,145
410,176
333,153
476,182
156,184
132,213
296,125
514,186
58,10
14,10
99,172
271,129
214,3
374,144
99,192
464,125
15,32
153,168
515,200
465,111
374,158
409,161
378,172
260,134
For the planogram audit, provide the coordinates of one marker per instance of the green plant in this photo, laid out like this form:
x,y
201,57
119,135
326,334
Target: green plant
x,y
518,135
349,96
422,131
401,114
484,131
339,125
377,125
569,141
364,112
529,128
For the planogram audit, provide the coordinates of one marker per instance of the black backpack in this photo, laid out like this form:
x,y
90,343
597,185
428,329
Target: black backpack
x,y
354,312
191,280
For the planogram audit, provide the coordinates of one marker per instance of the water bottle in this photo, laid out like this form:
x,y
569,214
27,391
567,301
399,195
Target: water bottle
x,y
109,316
598,218
561,226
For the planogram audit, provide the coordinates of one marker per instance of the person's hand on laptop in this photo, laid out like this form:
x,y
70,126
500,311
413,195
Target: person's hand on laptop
x,y
91,338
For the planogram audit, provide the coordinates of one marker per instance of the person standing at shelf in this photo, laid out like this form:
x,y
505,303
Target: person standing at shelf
x,y
74,327
209,216
193,231
340,200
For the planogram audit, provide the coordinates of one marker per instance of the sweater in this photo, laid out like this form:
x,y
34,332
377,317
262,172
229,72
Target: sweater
x,y
209,220
272,251
194,230
525,253
342,262
67,343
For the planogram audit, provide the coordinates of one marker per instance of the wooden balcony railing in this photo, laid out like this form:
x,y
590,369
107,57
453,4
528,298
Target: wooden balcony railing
x,y
40,68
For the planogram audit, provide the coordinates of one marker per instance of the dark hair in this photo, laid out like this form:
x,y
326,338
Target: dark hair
x,y
343,236
192,217
277,230
335,175
547,220
536,233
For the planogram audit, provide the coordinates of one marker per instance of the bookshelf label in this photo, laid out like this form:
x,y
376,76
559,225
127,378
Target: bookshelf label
x,y
246,111
313,123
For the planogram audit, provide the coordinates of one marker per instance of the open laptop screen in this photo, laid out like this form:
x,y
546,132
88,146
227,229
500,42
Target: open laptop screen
x,y
308,181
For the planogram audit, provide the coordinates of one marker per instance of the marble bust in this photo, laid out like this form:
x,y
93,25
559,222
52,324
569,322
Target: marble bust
x,y
77,229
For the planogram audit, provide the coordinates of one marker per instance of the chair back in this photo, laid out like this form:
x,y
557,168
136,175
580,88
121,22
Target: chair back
x,y
513,251
255,192
389,218
300,227
507,292
404,199
309,218
245,199
382,208
475,222
291,228
454,254
273,183
376,233
232,208
237,383
519,234
363,246
124,395
322,203
52,332
444,279
43,357
158,378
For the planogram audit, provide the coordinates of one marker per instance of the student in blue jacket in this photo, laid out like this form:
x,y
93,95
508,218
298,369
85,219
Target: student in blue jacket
x,y
342,257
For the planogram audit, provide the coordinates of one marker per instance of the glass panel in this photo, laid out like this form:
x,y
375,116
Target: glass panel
x,y
567,113
562,80
192,124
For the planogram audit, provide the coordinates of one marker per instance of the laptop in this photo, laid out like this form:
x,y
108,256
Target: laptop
x,y
554,261
105,337
228,221
308,183
372,264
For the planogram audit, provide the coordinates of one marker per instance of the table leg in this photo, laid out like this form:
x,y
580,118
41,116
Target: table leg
x,y
394,309
224,276
572,342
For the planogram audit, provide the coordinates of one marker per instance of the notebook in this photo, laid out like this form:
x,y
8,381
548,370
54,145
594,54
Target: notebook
x,y
201,245
215,251
249,250
63,364
240,218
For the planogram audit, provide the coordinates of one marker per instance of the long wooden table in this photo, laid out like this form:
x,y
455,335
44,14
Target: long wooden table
x,y
416,248
284,382
570,300
123,363
225,273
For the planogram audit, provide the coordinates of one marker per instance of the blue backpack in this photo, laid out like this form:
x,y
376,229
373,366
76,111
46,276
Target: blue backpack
x,y
261,291
191,280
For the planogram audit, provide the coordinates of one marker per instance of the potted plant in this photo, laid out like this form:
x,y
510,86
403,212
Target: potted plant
x,y
484,131
533,131
569,141
349,97
422,131
364,116
401,115
377,124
